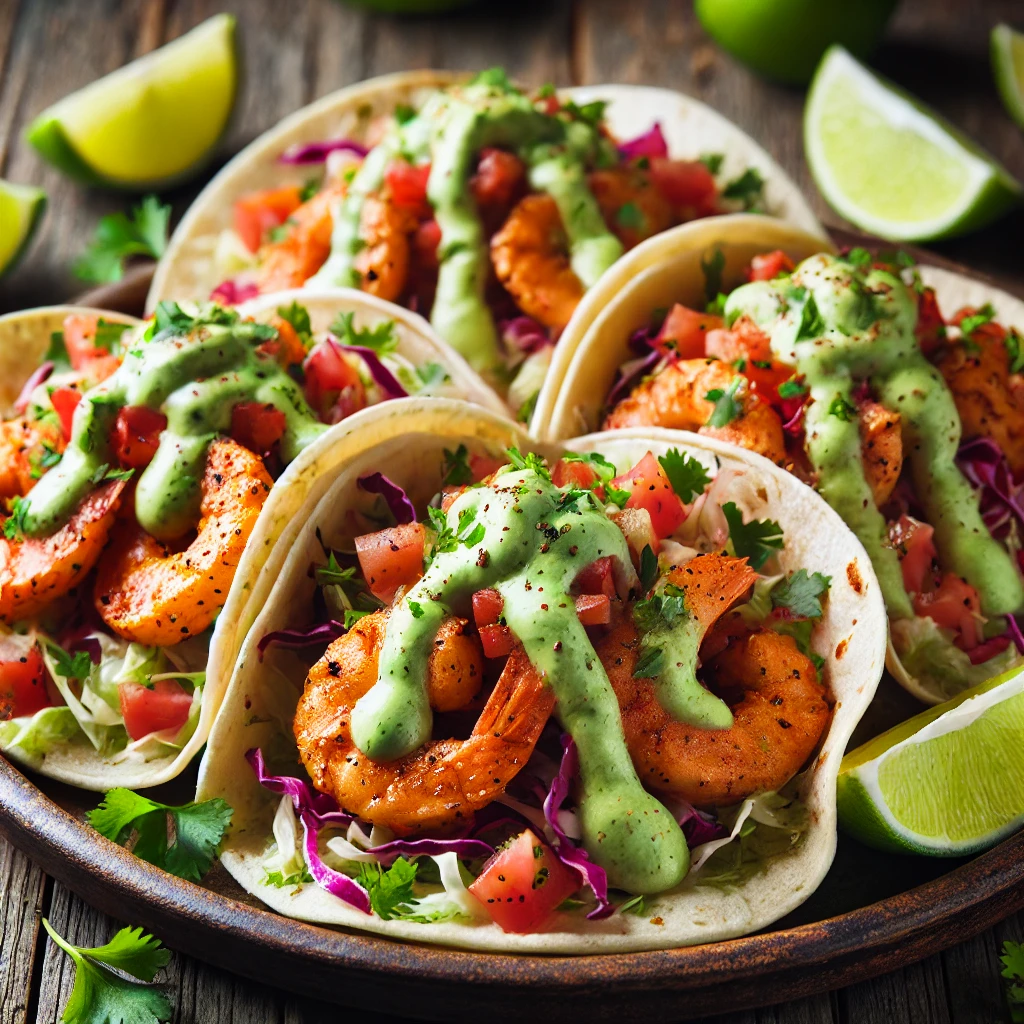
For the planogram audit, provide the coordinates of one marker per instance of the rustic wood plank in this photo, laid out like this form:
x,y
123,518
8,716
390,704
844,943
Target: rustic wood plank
x,y
914,995
22,885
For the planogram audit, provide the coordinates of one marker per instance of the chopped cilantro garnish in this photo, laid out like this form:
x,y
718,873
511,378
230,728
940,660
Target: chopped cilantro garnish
x,y
687,475
712,161
47,460
431,375
726,407
309,190
389,889
590,113
1012,959
858,257
104,473
14,524
171,317
494,78
792,388
812,324
298,317
648,568
119,237
417,609
545,91
717,305
630,216
108,336
282,881
842,409
197,828
637,905
800,630
1015,350
661,609
801,594
531,461
650,663
755,540
712,266
748,188
456,472
404,113
970,324
605,474
69,666
381,338
525,412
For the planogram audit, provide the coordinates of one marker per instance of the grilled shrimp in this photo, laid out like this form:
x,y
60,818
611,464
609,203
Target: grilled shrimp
x,y
151,594
531,259
383,262
631,206
675,398
35,572
446,781
23,445
881,445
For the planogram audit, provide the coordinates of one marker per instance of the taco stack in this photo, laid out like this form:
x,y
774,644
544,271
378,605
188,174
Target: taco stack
x,y
577,697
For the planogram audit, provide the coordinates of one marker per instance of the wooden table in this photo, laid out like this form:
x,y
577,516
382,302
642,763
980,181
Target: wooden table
x,y
297,50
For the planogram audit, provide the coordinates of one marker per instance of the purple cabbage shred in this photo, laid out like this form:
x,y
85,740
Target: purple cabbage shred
x,y
382,376
297,639
1013,628
232,291
40,374
631,373
983,463
524,334
317,152
700,828
651,144
90,645
397,500
467,849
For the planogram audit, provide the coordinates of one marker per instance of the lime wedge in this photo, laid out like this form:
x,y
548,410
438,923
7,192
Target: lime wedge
x,y
890,165
150,122
1008,67
946,783
21,207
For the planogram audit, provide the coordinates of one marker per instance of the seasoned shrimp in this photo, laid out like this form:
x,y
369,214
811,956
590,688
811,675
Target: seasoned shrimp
x,y
979,377
383,262
531,259
675,398
24,443
153,595
441,785
881,445
631,206
34,572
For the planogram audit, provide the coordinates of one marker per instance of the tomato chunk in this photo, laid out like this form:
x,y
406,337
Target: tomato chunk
x,y
685,331
744,340
988,649
391,558
22,679
165,707
930,329
483,466
80,338
687,184
573,474
408,183
651,490
953,605
137,435
487,606
496,640
594,609
260,212
915,545
333,387
64,402
257,426
521,884
500,177
597,578
769,265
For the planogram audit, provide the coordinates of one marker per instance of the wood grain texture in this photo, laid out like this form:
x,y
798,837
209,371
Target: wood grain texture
x,y
22,885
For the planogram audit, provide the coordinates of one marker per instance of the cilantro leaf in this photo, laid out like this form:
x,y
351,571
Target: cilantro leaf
x,y
606,472
726,407
800,594
170,317
661,609
389,889
381,337
531,461
104,473
455,471
14,524
431,375
970,324
630,216
99,996
648,567
108,336
1015,350
119,237
812,324
590,113
281,881
493,78
712,161
1012,960
197,827
755,540
792,388
748,188
650,663
637,905
69,666
687,475
843,409
713,266
404,113
298,317
417,609
858,257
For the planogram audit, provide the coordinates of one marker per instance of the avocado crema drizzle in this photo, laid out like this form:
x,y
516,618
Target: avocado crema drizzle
x,y
449,131
528,539
839,326
195,381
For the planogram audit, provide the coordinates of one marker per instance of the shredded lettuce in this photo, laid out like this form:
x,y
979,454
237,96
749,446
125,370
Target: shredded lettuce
x,y
35,736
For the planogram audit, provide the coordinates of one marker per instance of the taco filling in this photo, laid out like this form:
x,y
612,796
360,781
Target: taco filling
x,y
843,370
491,209
570,686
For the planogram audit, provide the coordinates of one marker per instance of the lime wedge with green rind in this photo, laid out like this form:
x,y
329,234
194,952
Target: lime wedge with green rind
x,y
948,782
152,122
21,208
1008,67
892,166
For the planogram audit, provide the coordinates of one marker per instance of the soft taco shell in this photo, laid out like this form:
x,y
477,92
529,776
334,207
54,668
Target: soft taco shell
x,y
407,440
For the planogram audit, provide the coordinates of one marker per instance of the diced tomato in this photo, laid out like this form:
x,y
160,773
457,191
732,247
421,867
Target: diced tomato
x,y
636,527
500,177
597,578
651,490
287,347
988,649
137,435
165,707
448,496
64,402
483,466
257,425
80,338
22,679
496,640
769,265
916,548
333,387
391,558
594,609
931,328
744,340
521,884
260,212
954,605
487,606
687,184
573,474
407,183
685,331
766,379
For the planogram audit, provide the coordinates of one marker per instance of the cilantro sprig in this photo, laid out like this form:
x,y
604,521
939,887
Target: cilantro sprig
x,y
726,407
748,189
298,316
713,266
102,992
970,324
381,338
1012,960
1014,350
389,889
530,461
14,524
842,409
455,471
686,474
664,608
756,540
605,471
801,594
197,827
119,237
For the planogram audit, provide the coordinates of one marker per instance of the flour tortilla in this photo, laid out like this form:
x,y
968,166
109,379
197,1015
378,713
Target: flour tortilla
x,y
406,440
24,338
187,270
667,269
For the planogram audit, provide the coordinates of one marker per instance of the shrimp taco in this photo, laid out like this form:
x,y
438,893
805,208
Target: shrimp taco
x,y
489,208
582,698
146,472
895,389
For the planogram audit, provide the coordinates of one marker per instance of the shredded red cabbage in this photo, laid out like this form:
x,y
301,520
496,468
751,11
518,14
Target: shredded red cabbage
x,y
700,828
524,334
41,373
572,856
317,152
398,501
334,882
232,291
794,425
651,144
90,645
982,461
382,376
631,373
296,639
1013,628
465,848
